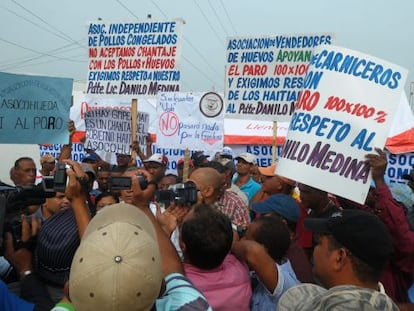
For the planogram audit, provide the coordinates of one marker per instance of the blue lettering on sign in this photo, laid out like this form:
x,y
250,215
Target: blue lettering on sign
x,y
353,65
305,122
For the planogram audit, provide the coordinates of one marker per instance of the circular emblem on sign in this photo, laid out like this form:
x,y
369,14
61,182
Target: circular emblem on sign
x,y
169,123
211,104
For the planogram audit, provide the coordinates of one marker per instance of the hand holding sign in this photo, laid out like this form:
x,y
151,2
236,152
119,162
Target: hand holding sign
x,y
337,122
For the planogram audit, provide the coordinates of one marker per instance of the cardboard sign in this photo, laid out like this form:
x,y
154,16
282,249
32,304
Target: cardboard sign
x,y
340,118
33,109
265,74
134,58
190,120
109,130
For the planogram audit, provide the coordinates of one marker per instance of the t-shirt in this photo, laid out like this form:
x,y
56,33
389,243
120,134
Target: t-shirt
x,y
262,299
10,302
250,188
226,287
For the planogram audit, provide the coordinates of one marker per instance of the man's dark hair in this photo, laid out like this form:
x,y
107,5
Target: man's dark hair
x,y
17,162
273,234
216,165
362,270
171,175
107,194
208,236
289,223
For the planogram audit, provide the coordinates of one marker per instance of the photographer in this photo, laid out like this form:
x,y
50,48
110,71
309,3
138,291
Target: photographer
x,y
60,234
32,290
147,185
177,292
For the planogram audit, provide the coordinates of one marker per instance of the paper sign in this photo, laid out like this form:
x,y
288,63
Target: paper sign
x,y
339,118
265,74
134,58
33,109
190,120
109,130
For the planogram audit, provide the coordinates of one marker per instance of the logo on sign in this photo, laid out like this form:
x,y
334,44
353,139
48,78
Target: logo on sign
x,y
211,104
169,123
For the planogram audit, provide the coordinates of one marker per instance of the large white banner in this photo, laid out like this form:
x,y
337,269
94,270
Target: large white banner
x,y
340,119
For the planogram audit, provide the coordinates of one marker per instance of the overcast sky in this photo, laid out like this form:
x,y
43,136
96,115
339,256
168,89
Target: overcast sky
x,y
46,37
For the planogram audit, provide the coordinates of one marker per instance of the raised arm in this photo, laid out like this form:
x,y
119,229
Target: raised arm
x,y
258,260
77,196
392,214
170,260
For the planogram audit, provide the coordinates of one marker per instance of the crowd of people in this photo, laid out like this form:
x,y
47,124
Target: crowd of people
x,y
220,234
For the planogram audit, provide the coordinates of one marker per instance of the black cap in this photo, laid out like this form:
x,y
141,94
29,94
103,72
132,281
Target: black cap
x,y
362,233
198,158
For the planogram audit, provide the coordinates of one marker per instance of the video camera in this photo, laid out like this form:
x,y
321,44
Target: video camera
x,y
180,194
125,183
57,182
14,202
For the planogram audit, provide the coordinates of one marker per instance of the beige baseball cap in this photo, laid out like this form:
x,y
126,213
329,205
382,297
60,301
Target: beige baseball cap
x,y
118,264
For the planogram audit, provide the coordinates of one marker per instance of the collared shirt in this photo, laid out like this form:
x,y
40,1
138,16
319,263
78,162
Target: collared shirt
x,y
233,206
241,194
262,299
57,242
181,293
309,297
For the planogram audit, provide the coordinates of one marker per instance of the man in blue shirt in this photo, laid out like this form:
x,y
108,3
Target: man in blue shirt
x,y
243,178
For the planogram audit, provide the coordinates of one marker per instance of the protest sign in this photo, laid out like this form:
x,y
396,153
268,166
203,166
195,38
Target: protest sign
x,y
34,109
399,165
134,58
84,103
109,130
190,120
265,74
340,118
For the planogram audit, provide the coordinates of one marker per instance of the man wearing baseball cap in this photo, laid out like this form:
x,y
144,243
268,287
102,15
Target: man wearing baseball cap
x,y
288,209
276,184
199,158
353,249
127,262
243,179
156,165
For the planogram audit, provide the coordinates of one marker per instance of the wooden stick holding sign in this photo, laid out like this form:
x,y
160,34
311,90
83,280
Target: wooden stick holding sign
x,y
134,115
274,142
186,165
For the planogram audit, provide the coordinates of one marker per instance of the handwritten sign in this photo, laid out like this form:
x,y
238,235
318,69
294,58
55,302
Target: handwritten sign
x,y
190,120
109,130
33,109
340,119
134,58
265,74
